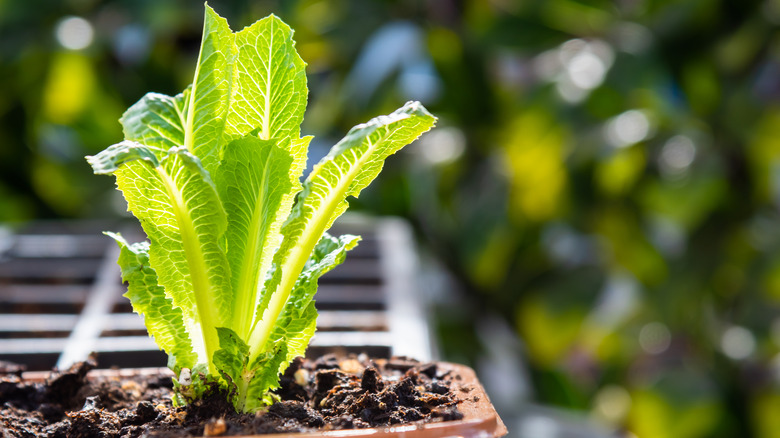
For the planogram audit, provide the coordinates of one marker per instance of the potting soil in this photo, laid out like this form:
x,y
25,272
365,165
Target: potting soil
x,y
325,394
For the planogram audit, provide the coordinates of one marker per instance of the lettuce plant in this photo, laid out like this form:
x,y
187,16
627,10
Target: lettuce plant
x,y
236,242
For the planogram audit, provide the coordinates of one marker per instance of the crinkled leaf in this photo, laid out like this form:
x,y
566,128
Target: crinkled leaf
x,y
248,384
108,161
195,118
183,217
256,190
211,93
163,321
297,322
157,120
269,100
271,82
348,168
264,377
231,360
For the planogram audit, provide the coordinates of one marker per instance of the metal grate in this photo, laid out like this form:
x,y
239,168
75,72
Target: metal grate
x,y
60,297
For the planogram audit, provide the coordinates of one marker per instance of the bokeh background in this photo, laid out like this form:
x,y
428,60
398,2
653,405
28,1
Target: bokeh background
x,y
602,191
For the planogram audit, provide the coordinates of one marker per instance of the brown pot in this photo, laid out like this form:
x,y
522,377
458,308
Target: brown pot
x,y
479,417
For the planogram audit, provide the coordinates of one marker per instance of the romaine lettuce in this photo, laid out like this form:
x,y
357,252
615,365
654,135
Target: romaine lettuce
x,y
236,242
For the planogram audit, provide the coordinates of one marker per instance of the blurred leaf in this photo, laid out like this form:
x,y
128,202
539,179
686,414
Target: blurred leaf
x,y
444,45
772,282
603,343
739,49
764,155
549,335
14,207
629,247
687,202
617,174
652,415
489,266
764,414
69,87
54,184
534,160
702,86
575,17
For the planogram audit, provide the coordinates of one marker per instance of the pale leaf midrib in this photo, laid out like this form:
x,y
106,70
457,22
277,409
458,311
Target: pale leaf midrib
x,y
196,263
299,253
248,281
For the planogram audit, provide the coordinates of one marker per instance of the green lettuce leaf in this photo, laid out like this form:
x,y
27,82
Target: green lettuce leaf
x,y
254,185
182,215
163,321
157,120
231,360
348,168
249,385
108,161
197,117
298,320
264,378
257,181
271,82
211,93
294,329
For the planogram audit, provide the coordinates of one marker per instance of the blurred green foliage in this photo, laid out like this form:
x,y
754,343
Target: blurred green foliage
x,y
606,175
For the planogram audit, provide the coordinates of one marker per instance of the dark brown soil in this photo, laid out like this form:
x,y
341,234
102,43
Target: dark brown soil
x,y
326,394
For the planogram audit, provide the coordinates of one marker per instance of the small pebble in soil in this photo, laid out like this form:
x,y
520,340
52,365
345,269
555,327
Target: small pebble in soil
x,y
132,387
302,377
215,427
91,403
351,366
